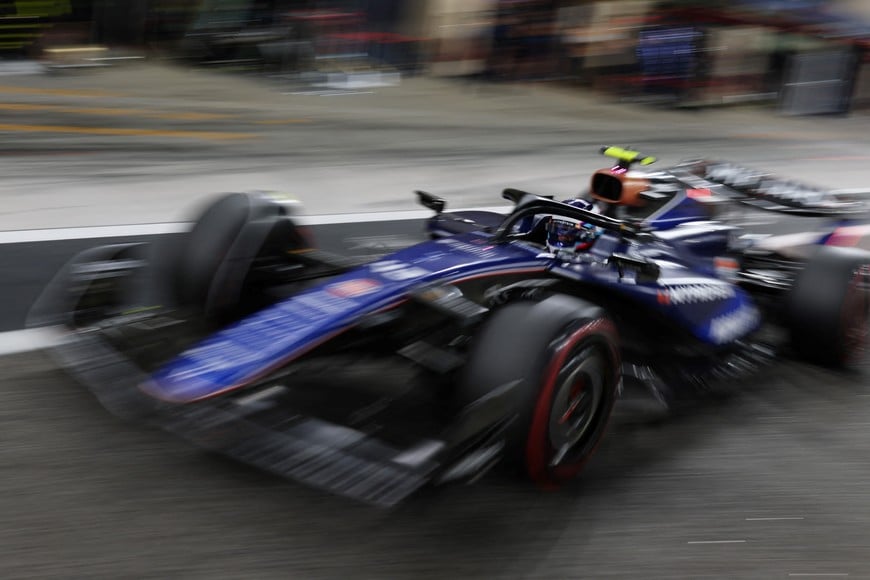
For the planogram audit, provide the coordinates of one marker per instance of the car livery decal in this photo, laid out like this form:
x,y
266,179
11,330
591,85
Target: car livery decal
x,y
262,342
850,235
734,324
353,288
713,311
695,292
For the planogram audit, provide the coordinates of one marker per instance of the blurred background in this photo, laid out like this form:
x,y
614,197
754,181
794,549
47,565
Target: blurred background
x,y
118,117
808,56
120,105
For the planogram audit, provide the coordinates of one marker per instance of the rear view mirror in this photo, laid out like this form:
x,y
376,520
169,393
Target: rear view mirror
x,y
433,202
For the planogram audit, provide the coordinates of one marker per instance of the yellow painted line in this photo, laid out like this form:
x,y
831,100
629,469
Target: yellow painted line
x,y
109,111
77,49
63,92
208,135
282,121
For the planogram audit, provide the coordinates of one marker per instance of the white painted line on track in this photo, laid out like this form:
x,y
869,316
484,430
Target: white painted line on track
x,y
29,339
342,93
83,233
58,234
717,542
773,519
818,574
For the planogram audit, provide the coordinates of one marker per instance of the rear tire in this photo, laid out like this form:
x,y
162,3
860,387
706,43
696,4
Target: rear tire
x,y
828,307
563,353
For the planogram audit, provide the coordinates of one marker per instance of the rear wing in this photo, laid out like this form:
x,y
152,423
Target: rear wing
x,y
768,192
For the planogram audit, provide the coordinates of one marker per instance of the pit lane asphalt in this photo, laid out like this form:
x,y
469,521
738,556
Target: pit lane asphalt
x,y
769,483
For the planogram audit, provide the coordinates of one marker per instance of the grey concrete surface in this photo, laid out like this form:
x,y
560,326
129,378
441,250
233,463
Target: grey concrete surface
x,y
769,483
143,143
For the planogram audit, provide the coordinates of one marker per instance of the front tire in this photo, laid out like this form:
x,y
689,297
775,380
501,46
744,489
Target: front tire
x,y
562,354
216,257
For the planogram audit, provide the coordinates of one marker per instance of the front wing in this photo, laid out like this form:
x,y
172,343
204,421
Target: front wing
x,y
270,424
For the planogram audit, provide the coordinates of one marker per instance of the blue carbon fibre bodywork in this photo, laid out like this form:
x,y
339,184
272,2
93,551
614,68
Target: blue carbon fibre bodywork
x,y
714,311
687,291
276,335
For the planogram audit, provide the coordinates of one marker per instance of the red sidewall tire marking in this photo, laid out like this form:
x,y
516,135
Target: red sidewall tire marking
x,y
538,447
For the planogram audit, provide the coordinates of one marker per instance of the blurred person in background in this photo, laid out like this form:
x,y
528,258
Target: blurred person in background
x,y
503,53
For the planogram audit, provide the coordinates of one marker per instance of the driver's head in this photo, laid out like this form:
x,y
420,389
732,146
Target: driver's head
x,y
565,235
569,235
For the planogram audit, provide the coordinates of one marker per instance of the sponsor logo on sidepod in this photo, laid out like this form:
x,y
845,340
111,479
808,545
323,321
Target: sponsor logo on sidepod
x,y
396,270
694,293
734,324
353,288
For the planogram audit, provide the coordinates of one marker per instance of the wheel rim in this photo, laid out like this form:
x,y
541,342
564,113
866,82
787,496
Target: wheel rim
x,y
856,310
574,412
591,349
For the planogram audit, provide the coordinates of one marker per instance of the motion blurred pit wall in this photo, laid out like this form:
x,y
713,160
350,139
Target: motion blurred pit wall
x,y
24,24
688,53
804,56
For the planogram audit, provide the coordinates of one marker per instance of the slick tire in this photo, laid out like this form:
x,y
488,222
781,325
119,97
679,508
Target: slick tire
x,y
828,308
214,259
207,245
562,355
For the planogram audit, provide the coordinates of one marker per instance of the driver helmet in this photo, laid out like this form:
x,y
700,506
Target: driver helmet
x,y
567,235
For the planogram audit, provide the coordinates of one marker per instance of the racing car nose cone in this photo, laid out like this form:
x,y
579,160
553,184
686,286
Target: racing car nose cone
x,y
176,392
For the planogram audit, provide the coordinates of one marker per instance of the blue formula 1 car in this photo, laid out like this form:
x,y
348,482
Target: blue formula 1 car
x,y
505,339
